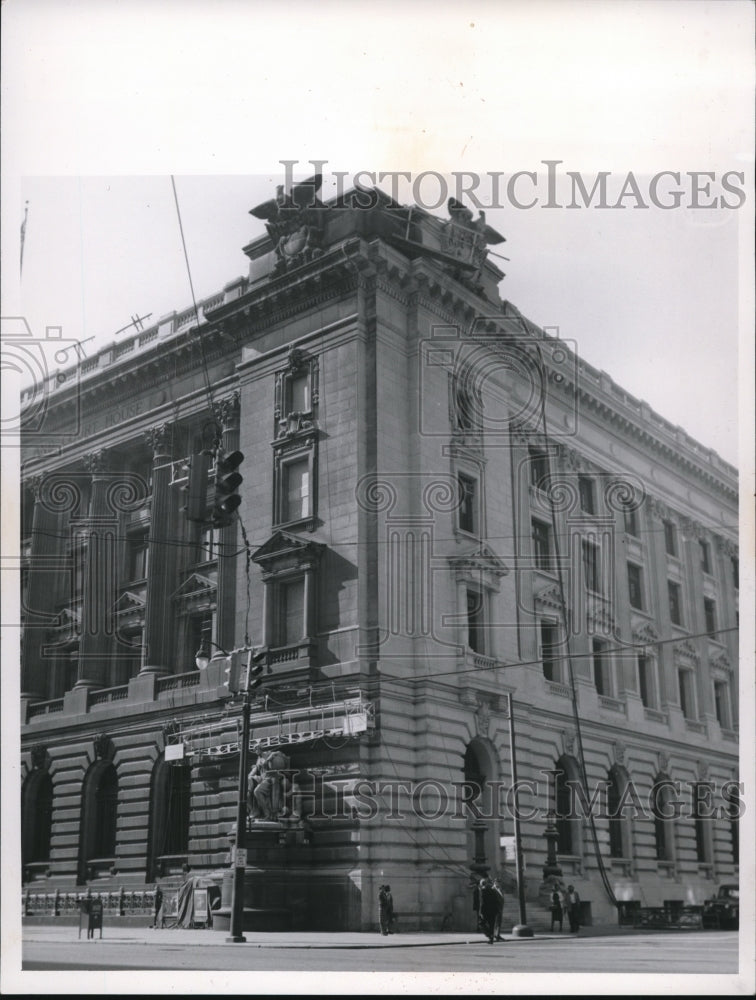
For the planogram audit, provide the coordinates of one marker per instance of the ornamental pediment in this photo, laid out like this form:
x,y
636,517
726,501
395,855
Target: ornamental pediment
x,y
193,585
284,547
549,597
481,564
128,602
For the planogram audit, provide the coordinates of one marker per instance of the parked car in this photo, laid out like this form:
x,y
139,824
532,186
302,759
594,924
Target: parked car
x,y
723,910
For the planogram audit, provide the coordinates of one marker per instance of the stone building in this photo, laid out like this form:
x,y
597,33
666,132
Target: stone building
x,y
445,512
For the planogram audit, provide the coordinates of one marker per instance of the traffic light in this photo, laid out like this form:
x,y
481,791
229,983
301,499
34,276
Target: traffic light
x,y
232,672
227,482
195,508
255,667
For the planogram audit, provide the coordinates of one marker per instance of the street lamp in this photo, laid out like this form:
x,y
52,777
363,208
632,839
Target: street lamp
x,y
202,656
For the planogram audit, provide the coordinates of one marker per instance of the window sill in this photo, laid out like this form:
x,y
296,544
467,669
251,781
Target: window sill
x,y
301,522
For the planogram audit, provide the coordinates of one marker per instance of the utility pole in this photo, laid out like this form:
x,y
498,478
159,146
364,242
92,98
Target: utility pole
x,y
252,681
521,929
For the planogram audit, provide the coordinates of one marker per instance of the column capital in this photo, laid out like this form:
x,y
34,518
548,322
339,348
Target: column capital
x,y
159,439
34,484
96,462
226,410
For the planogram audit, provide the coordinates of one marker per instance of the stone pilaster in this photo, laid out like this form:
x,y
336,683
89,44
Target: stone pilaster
x,y
227,416
100,577
38,610
159,636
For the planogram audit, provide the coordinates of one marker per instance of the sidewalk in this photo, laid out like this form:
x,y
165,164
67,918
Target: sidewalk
x,y
255,939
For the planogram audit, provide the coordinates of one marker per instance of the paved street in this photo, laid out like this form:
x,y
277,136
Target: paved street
x,y
58,948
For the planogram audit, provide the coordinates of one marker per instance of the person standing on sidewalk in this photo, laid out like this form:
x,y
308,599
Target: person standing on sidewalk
x,y
499,890
385,909
158,914
557,915
489,908
573,909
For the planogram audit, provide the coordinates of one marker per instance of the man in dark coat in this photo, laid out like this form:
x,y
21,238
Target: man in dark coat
x,y
489,908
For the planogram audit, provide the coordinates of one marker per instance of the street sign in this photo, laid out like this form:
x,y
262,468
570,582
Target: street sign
x,y
240,857
174,751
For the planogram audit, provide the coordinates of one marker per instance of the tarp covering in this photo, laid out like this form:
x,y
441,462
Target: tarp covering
x,y
189,914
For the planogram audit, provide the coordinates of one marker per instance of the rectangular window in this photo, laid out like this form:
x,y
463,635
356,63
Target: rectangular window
x,y
201,630
463,409
468,508
298,394
600,678
475,621
705,556
645,681
586,490
635,585
296,490
291,612
722,703
208,544
710,614
539,468
735,573
675,602
670,538
591,566
685,689
138,552
631,522
702,808
541,535
548,651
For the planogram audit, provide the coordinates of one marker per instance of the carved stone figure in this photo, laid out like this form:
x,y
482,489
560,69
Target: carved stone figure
x,y
268,787
295,223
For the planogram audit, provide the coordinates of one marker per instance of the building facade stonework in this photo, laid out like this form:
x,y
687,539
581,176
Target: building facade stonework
x,y
442,506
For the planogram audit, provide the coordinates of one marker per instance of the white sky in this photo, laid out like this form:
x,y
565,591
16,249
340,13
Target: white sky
x,y
92,100
218,93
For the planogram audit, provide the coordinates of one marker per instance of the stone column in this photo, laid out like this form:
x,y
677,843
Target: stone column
x,y
38,611
159,638
227,416
100,577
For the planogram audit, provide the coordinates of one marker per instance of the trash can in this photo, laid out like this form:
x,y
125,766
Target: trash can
x,y
95,917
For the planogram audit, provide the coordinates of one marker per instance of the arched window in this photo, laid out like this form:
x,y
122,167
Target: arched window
x,y
663,806
615,821
481,772
170,803
99,819
36,817
617,805
567,813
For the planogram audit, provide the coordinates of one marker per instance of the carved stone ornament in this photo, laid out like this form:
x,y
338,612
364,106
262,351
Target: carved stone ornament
x,y
619,752
568,741
658,509
663,761
158,438
227,410
96,462
702,770
295,223
483,719
39,757
102,746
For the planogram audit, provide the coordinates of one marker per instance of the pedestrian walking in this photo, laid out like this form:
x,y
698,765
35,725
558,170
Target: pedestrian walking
x,y
158,918
557,914
573,909
499,889
489,908
385,909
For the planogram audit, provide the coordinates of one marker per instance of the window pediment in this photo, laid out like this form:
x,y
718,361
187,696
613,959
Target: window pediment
x,y
481,565
285,550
